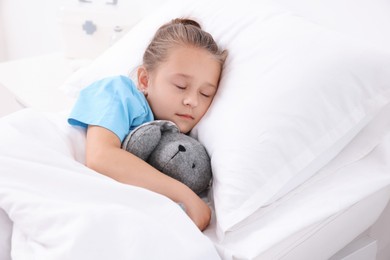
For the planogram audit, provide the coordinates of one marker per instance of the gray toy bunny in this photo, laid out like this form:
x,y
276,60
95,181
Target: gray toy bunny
x,y
180,156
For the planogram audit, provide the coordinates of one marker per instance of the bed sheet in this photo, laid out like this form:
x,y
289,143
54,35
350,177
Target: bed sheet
x,y
60,209
341,201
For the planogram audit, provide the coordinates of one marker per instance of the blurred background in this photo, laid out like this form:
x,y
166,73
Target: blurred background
x,y
28,28
44,42
78,28
84,28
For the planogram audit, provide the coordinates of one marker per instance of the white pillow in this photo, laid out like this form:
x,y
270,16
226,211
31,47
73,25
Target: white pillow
x,y
293,94
349,16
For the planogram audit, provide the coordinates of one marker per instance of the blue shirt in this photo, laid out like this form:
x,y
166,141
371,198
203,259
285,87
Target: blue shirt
x,y
114,103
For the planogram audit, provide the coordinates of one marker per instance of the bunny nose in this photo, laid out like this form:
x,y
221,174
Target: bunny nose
x,y
181,148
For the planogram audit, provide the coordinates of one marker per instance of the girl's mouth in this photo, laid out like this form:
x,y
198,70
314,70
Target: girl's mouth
x,y
186,116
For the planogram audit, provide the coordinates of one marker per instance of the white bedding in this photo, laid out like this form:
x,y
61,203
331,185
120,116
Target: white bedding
x,y
59,209
327,212
292,95
62,210
53,207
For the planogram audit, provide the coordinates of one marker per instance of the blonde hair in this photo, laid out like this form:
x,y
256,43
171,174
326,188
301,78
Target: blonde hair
x,y
180,32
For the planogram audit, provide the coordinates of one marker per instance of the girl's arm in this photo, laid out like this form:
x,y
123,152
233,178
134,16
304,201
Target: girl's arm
x,y
104,155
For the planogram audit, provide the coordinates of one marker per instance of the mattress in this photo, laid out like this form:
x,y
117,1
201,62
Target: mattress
x,y
318,241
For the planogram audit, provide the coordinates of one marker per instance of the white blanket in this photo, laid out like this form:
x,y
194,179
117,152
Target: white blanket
x,y
53,207
59,209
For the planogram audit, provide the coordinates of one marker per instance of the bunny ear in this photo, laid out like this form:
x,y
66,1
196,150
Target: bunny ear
x,y
142,140
166,126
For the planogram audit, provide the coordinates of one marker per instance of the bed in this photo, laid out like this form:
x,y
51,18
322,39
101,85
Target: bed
x,y
298,136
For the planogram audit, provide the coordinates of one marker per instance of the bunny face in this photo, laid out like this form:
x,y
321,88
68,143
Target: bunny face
x,y
177,155
184,159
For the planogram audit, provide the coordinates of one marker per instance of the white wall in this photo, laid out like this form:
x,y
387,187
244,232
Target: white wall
x,y
29,28
2,42
35,27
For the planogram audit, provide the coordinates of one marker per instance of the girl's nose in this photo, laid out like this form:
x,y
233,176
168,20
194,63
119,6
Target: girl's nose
x,y
191,100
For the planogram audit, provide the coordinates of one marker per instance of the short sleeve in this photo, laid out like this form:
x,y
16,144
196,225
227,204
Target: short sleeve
x,y
114,103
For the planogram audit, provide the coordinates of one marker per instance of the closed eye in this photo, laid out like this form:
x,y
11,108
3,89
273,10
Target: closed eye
x,y
207,92
180,87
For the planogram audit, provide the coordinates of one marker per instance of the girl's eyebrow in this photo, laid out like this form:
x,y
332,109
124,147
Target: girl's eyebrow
x,y
182,75
191,77
210,85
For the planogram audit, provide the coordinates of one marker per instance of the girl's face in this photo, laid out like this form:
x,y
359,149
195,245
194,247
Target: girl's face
x,y
182,88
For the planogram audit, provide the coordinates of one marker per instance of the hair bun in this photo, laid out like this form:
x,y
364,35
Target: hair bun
x,y
185,21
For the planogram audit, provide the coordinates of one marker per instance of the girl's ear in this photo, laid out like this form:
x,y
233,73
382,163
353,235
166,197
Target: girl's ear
x,y
143,79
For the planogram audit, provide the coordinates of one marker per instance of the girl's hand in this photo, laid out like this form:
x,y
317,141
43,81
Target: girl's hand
x,y
198,211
